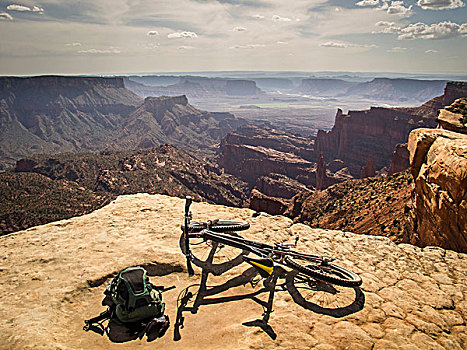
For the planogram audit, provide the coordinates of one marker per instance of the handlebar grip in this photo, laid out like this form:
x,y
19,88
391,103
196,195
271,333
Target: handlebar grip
x,y
188,202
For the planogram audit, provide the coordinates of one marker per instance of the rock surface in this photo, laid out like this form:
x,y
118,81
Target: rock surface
x,y
53,276
439,166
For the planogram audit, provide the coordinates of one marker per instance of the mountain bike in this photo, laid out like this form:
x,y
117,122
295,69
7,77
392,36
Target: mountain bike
x,y
203,242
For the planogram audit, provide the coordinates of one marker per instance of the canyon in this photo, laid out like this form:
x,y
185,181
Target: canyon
x,y
358,135
215,157
53,114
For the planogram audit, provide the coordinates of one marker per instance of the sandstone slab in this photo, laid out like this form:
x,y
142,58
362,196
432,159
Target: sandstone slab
x,y
52,278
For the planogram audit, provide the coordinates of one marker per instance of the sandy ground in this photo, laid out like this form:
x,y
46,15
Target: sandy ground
x,y
52,278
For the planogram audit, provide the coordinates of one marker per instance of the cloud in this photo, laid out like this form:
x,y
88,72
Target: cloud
x,y
152,46
185,47
182,35
152,33
73,44
345,45
368,3
21,8
5,16
239,29
110,50
398,8
281,42
442,30
431,51
397,49
280,19
440,4
14,7
251,46
258,17
387,27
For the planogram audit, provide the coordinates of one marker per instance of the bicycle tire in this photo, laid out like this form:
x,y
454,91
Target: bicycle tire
x,y
328,272
206,255
219,226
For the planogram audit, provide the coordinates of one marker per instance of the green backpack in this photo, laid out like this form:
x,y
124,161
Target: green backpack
x,y
134,296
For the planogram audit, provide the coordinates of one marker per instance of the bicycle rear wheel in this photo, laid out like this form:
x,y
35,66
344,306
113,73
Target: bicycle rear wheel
x,y
219,226
323,297
328,272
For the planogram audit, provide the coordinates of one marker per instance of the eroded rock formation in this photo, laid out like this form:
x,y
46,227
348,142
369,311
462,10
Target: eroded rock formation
x,y
368,170
260,202
321,178
439,166
375,132
400,159
253,152
454,117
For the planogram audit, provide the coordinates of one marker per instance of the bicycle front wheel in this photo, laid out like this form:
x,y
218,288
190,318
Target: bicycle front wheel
x,y
213,256
219,226
328,272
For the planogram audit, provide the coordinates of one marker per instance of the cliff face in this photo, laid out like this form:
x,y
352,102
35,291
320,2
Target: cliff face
x,y
53,277
439,167
60,114
53,114
192,86
375,132
173,120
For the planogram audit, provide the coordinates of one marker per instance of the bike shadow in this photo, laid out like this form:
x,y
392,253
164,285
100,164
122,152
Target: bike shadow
x,y
298,286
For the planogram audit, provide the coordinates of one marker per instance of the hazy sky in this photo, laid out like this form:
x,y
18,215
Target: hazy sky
x,y
132,36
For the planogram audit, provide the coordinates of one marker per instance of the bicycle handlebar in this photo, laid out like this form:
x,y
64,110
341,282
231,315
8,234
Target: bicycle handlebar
x,y
188,201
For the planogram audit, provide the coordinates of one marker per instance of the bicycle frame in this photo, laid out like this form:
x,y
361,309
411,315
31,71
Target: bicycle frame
x,y
262,250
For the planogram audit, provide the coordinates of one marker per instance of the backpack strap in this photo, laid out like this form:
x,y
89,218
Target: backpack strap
x,y
94,324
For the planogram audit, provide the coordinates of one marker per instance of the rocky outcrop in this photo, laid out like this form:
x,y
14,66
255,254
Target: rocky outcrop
x,y
262,203
454,117
277,185
372,206
53,277
252,152
251,162
368,170
321,178
400,159
438,164
375,132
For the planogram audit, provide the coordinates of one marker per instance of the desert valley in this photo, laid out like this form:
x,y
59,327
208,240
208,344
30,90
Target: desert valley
x,y
233,174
